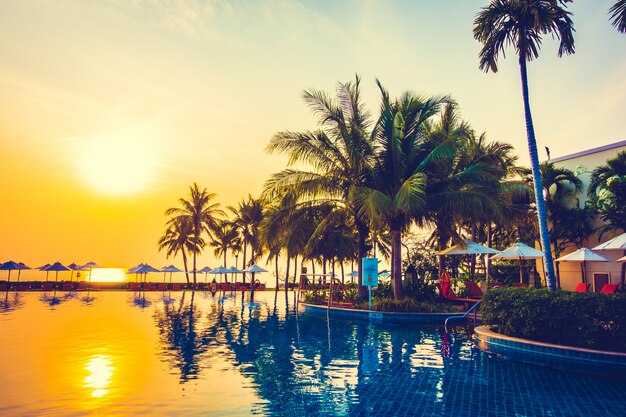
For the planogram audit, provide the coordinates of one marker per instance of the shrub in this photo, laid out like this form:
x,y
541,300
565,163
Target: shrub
x,y
406,305
594,321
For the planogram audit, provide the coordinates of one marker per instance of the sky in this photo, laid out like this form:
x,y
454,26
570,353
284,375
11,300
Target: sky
x,y
111,109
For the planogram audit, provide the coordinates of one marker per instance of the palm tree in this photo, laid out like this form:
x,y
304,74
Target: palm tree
x,y
340,154
224,237
248,217
522,23
397,190
607,191
179,239
200,214
618,15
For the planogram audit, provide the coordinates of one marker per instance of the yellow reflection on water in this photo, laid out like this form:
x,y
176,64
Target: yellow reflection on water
x,y
100,368
107,275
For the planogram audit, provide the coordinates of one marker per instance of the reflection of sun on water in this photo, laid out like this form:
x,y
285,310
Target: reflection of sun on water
x,y
100,371
107,275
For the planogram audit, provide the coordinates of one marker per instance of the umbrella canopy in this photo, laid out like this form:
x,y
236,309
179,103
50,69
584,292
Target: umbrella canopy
x,y
219,270
74,267
133,269
90,265
254,268
205,270
233,270
583,255
12,266
353,274
617,243
170,269
57,266
467,248
519,251
145,268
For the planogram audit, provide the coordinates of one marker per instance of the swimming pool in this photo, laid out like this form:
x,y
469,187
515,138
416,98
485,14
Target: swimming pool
x,y
189,354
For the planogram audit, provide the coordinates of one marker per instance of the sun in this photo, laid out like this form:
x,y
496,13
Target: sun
x,y
117,164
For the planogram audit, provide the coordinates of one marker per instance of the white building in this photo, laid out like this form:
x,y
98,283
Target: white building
x,y
598,273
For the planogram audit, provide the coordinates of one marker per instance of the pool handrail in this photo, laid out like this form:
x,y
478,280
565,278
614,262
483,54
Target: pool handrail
x,y
445,323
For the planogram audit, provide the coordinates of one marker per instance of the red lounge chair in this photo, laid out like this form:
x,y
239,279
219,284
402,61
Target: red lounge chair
x,y
67,286
519,285
22,287
3,286
162,287
474,290
82,285
581,287
175,287
47,286
609,289
445,289
134,287
149,287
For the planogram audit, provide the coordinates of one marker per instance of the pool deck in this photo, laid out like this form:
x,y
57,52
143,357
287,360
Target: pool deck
x,y
377,316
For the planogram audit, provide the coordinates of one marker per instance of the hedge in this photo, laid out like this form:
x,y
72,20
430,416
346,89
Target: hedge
x,y
593,321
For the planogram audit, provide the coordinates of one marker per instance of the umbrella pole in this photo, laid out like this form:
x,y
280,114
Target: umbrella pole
x,y
521,270
584,271
19,272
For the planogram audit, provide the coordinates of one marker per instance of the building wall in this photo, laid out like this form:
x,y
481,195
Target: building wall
x,y
570,272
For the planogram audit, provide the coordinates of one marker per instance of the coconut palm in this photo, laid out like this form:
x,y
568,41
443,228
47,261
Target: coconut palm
x,y
618,15
248,217
224,237
178,238
521,24
397,190
607,191
339,153
200,214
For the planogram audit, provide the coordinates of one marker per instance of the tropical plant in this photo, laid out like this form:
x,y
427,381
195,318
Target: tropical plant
x,y
178,238
397,189
248,217
607,192
224,238
200,215
521,24
338,154
618,15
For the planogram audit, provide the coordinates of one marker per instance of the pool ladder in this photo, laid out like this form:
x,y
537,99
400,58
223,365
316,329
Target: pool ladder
x,y
445,323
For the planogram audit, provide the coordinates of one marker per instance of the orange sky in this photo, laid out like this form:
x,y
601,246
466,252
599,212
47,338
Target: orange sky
x,y
111,110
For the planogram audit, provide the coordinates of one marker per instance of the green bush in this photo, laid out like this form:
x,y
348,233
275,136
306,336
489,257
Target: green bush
x,y
594,321
406,305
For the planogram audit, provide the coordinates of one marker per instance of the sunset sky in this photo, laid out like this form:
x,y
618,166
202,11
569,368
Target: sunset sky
x,y
111,109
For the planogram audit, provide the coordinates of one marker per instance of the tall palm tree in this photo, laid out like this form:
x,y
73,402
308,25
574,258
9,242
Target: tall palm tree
x,y
200,214
224,237
521,24
618,15
248,218
339,153
397,190
178,238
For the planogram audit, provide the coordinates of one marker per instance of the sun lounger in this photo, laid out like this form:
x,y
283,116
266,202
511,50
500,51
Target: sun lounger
x,y
581,287
3,286
162,287
175,287
48,286
134,287
609,289
445,289
67,286
473,290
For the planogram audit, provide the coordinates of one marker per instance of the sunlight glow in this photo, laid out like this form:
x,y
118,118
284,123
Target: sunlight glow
x,y
107,275
117,164
100,372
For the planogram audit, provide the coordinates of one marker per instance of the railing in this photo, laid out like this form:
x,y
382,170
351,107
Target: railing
x,y
445,323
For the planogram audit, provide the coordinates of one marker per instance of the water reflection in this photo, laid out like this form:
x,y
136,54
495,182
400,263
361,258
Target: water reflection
x,y
100,369
10,301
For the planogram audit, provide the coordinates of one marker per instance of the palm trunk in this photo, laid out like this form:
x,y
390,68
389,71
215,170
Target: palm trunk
x,y
185,265
244,261
287,273
342,274
195,283
225,275
534,164
362,232
295,270
396,262
276,266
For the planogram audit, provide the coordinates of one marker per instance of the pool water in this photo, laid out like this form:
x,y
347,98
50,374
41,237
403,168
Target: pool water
x,y
195,354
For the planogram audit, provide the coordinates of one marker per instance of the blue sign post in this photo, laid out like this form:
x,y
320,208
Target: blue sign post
x,y
370,275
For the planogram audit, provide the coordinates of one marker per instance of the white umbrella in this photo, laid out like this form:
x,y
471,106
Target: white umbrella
x,y
254,269
467,248
44,268
170,269
617,243
144,269
12,266
519,251
22,267
583,255
90,265
233,270
57,266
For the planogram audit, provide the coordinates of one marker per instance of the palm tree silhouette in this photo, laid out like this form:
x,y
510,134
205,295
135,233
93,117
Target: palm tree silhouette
x,y
522,23
178,238
200,215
